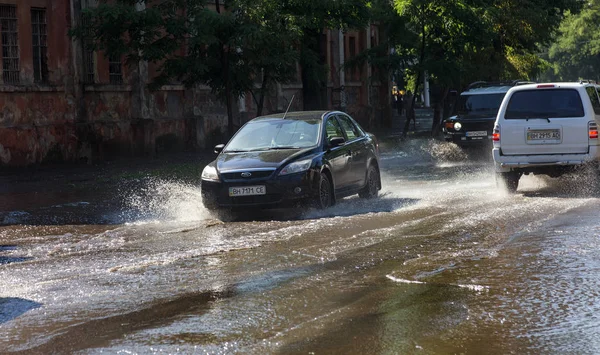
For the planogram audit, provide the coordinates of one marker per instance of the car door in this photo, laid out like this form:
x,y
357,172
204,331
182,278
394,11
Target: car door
x,y
339,157
357,147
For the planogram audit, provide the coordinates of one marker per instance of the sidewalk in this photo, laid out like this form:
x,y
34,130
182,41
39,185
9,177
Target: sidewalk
x,y
422,126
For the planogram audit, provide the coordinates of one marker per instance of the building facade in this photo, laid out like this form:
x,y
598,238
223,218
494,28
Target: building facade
x,y
60,102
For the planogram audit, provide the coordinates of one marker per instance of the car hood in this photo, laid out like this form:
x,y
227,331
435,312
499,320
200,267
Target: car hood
x,y
258,159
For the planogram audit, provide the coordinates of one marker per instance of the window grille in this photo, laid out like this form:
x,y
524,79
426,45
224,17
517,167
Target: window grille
x,y
115,70
40,45
10,44
89,63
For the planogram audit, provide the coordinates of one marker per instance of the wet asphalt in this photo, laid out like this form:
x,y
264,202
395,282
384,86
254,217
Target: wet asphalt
x,y
125,259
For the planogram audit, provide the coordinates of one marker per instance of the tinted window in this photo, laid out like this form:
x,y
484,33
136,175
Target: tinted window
x,y
594,98
333,129
266,134
348,126
553,103
479,105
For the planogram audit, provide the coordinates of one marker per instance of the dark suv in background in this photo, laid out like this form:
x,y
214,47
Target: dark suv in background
x,y
475,112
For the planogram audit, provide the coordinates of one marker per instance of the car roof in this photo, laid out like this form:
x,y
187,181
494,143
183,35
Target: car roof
x,y
294,115
556,85
487,90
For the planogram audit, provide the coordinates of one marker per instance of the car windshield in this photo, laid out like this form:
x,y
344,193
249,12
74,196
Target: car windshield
x,y
552,103
275,134
483,105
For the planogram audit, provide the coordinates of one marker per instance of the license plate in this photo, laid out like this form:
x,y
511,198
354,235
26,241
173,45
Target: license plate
x,y
247,190
476,134
546,134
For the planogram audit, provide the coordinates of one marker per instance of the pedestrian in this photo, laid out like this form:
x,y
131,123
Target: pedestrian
x,y
400,103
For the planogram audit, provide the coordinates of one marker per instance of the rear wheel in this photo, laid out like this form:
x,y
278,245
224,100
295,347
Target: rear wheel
x,y
325,197
371,188
509,180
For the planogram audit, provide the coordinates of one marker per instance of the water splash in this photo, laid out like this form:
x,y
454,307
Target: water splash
x,y
163,200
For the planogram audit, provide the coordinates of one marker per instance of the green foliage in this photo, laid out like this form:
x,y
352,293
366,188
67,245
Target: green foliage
x,y
576,51
228,50
460,41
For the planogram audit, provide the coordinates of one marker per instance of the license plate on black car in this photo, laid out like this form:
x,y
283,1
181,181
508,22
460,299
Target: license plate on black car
x,y
546,134
247,190
476,134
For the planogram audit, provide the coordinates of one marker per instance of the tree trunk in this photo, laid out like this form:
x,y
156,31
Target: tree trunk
x,y
410,109
438,111
312,83
228,98
263,92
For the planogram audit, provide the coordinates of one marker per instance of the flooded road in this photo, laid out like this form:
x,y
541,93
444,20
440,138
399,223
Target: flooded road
x,y
443,262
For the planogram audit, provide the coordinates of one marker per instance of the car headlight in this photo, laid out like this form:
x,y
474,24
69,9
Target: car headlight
x,y
210,173
457,126
296,167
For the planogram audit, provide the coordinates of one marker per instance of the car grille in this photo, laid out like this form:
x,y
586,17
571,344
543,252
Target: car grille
x,y
477,126
256,174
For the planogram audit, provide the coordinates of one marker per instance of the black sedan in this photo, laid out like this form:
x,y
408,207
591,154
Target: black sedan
x,y
293,159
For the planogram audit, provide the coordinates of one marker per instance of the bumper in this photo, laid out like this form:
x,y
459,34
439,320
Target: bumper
x,y
462,139
282,192
506,163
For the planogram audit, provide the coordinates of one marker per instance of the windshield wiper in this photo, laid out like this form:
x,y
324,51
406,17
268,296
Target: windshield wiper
x,y
283,147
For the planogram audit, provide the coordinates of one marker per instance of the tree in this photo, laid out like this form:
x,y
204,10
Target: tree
x,y
226,48
576,52
312,17
448,31
270,45
467,40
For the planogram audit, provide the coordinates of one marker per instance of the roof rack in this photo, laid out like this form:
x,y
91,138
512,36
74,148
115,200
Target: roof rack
x,y
587,81
483,84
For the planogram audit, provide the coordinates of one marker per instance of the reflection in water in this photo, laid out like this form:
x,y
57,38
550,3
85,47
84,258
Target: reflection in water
x,y
13,307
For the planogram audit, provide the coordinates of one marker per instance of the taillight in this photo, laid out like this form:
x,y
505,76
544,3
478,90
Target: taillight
x,y
496,134
593,130
544,86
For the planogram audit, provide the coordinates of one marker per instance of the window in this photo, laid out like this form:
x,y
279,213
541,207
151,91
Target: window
x,y
10,44
594,99
351,131
115,70
554,103
354,76
40,46
478,106
89,63
332,128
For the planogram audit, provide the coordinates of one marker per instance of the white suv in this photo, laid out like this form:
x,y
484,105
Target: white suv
x,y
546,129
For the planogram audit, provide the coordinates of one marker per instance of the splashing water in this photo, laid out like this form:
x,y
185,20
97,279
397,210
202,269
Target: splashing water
x,y
445,151
161,200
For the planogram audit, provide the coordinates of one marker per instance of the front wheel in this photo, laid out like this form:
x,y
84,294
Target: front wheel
x,y
509,180
325,196
371,188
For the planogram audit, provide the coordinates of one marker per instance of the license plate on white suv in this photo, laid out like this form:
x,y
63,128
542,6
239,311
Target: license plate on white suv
x,y
247,190
543,135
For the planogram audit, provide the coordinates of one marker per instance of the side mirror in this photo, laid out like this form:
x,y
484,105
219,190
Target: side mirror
x,y
219,148
336,141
